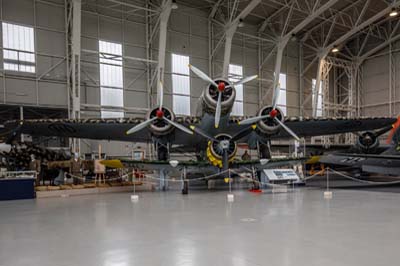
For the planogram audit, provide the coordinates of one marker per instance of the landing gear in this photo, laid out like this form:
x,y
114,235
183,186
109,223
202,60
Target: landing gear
x,y
185,188
264,150
185,184
162,155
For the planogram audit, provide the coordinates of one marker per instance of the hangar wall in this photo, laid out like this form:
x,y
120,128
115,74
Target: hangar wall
x,y
48,86
377,81
188,34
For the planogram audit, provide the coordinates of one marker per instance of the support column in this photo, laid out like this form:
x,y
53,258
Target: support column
x,y
164,17
228,48
73,61
317,86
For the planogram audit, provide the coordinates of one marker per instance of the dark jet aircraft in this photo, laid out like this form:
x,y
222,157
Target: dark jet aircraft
x,y
214,134
386,162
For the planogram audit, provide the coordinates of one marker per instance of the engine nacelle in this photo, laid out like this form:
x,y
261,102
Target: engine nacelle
x,y
161,127
268,125
367,141
215,151
209,98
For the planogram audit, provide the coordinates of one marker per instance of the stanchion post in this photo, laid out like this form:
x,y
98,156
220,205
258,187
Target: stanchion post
x,y
327,193
230,196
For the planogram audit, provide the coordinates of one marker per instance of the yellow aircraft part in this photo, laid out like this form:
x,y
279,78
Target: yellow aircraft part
x,y
112,163
214,160
313,160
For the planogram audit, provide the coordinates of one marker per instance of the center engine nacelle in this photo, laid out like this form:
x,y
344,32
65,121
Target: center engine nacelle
x,y
215,150
209,98
367,141
268,125
161,127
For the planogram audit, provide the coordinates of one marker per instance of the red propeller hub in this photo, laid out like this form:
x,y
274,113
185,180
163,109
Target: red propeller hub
x,y
159,114
273,113
221,86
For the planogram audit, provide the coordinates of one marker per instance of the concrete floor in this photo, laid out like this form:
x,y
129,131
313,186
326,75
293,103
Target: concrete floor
x,y
300,228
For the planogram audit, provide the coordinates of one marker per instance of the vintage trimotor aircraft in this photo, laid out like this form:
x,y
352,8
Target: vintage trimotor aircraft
x,y
216,132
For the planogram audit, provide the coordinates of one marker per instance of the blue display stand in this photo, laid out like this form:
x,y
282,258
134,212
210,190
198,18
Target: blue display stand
x,y
17,188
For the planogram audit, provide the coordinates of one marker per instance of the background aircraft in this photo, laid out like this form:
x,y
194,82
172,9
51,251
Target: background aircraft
x,y
386,162
216,132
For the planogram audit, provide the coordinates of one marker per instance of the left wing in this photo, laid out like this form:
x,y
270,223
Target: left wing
x,y
102,129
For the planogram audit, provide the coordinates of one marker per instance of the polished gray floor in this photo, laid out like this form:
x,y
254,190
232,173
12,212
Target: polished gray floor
x,y
300,228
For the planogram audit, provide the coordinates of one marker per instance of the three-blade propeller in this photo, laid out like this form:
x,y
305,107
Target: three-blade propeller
x,y
159,116
273,114
221,86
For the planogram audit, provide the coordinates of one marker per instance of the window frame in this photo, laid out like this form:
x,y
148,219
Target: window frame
x,y
175,76
238,103
280,104
320,98
114,64
19,65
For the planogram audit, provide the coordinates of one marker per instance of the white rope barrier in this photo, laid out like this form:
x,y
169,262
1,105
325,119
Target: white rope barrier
x,y
365,181
229,171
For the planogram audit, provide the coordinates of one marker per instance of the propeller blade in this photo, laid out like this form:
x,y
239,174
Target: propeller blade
x,y
276,96
243,133
287,129
140,126
161,95
178,126
202,133
253,120
202,75
242,81
218,110
382,131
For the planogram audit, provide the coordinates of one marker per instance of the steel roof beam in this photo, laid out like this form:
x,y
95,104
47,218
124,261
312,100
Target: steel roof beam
x,y
285,38
230,31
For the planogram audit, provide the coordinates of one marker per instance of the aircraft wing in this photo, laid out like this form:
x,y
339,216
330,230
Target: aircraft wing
x,y
372,156
102,129
372,163
114,129
328,126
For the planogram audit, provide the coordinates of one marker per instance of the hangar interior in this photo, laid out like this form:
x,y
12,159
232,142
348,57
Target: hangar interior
x,y
358,80
316,91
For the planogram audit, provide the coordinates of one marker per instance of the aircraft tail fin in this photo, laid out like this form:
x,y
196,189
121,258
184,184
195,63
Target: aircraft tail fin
x,y
394,135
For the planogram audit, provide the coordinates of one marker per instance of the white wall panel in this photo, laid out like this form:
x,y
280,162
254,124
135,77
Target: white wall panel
x,y
47,91
49,42
50,16
20,91
135,33
20,11
110,30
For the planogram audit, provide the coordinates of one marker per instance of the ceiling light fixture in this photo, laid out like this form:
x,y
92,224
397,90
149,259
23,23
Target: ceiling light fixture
x,y
335,50
174,4
241,24
393,13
